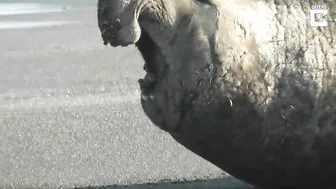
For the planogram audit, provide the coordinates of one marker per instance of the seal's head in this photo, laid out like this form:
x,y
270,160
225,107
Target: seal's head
x,y
118,21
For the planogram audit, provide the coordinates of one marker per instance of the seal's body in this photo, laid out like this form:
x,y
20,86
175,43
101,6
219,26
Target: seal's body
x,y
248,85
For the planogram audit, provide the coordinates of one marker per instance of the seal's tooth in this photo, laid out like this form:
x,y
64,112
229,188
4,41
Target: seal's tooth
x,y
144,97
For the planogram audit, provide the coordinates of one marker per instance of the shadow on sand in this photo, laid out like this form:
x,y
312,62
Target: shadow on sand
x,y
197,184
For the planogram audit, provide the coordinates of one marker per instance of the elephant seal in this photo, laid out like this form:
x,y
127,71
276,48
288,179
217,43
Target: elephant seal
x,y
249,85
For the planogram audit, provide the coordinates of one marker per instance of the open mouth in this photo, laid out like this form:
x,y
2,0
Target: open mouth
x,y
155,65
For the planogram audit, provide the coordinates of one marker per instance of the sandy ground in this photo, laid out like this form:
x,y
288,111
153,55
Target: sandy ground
x,y
70,112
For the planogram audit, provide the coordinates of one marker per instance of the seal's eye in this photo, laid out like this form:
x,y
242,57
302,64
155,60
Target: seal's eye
x,y
117,24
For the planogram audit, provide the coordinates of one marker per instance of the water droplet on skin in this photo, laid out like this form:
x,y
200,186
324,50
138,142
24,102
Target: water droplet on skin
x,y
124,3
211,80
231,103
200,82
209,102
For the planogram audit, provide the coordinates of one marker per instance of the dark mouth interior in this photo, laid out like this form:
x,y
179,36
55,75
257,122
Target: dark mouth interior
x,y
154,62
148,50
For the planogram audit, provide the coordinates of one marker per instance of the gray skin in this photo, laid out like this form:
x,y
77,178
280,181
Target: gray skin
x,y
248,85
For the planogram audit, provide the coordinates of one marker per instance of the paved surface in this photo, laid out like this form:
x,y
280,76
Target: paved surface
x,y
70,112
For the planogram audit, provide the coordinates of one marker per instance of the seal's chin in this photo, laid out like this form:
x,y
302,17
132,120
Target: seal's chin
x,y
155,66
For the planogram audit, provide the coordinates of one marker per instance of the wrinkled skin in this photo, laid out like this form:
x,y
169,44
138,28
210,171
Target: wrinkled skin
x,y
248,85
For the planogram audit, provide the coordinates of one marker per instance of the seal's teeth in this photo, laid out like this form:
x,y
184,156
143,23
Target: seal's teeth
x,y
144,97
147,97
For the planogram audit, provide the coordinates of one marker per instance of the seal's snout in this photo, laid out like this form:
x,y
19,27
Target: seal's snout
x,y
109,31
109,23
117,26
